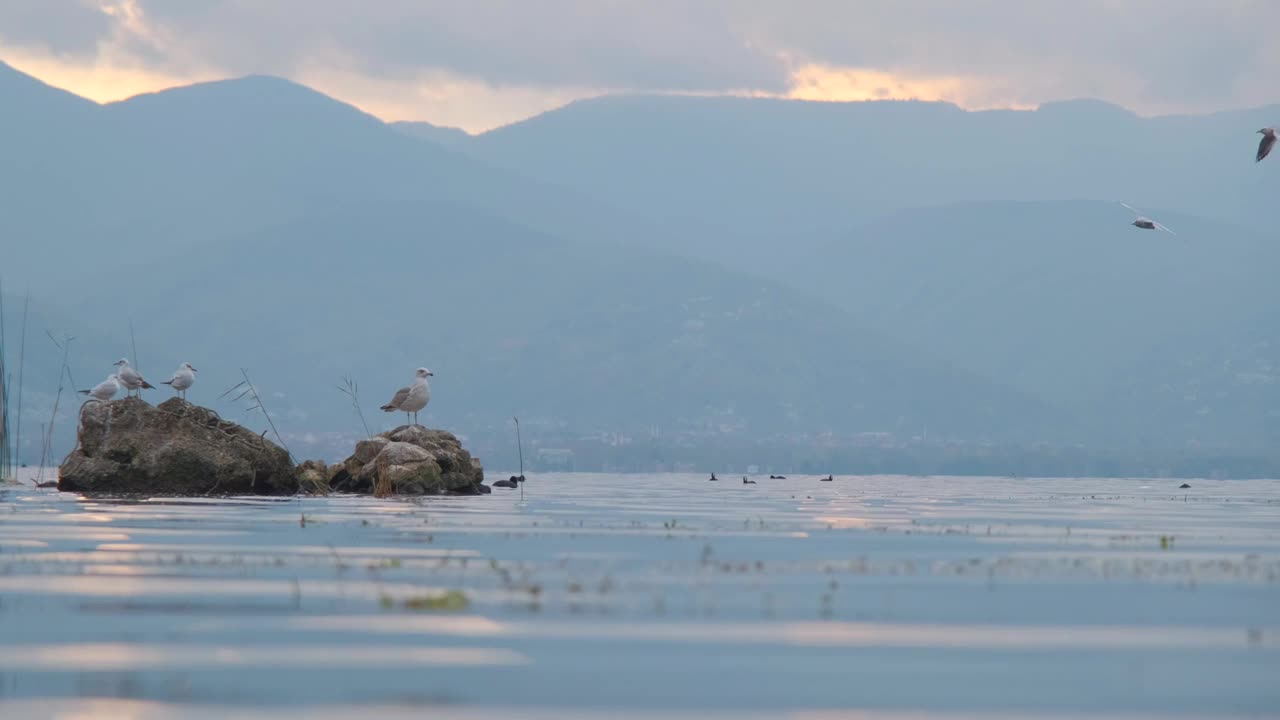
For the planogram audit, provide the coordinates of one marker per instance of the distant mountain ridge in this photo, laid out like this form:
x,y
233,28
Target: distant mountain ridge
x,y
768,170
256,223
780,266
435,133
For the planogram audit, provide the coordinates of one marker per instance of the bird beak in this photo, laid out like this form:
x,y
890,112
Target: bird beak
x,y
194,370
431,374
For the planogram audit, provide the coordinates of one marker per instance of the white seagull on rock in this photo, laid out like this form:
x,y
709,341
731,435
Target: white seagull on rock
x,y
183,378
104,390
411,399
130,378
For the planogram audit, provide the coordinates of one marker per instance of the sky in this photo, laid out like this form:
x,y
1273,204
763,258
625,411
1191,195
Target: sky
x,y
478,64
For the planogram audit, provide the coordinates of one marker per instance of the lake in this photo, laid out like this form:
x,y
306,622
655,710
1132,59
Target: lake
x,y
650,596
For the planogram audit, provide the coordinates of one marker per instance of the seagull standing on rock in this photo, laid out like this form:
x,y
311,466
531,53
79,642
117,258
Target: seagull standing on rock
x,y
130,378
183,378
104,390
409,400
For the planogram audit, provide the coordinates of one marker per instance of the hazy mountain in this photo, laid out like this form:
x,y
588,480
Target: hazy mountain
x,y
162,172
257,224
1150,334
515,322
435,133
776,174
776,267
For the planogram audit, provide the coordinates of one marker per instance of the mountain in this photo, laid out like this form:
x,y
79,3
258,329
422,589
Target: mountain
x,y
159,173
765,176
438,134
1153,336
257,224
514,322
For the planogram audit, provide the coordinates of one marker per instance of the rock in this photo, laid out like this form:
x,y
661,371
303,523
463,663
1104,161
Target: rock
x,y
506,484
405,469
367,450
480,489
1184,486
176,448
313,477
410,460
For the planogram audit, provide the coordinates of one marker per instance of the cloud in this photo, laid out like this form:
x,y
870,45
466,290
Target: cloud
x,y
59,27
1145,54
657,44
483,62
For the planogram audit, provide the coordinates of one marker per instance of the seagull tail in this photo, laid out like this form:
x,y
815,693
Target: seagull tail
x,y
388,408
166,382
84,392
147,386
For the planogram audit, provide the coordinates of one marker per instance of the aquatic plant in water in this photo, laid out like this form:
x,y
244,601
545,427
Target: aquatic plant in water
x,y
448,601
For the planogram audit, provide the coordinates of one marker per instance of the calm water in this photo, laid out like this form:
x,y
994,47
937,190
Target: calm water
x,y
653,596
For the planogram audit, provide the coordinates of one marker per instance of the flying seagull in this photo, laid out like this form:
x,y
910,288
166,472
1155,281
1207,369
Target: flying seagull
x,y
104,390
183,378
1268,140
1147,223
130,378
413,398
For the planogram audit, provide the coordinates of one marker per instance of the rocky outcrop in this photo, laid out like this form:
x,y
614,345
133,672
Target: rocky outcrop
x,y
410,460
176,448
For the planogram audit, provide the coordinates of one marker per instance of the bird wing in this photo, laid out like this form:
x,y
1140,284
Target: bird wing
x,y
1132,209
1264,147
401,395
1162,227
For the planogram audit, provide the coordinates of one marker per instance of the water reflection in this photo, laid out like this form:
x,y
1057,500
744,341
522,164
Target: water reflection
x,y
650,596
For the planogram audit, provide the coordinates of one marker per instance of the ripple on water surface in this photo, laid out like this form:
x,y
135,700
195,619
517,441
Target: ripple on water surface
x,y
654,596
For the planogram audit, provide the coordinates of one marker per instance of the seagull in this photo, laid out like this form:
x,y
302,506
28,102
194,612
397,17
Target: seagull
x,y
745,481
104,390
413,398
1268,140
183,378
130,379
1147,223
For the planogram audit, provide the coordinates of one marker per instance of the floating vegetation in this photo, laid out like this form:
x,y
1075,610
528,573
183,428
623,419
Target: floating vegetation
x,y
452,601
447,601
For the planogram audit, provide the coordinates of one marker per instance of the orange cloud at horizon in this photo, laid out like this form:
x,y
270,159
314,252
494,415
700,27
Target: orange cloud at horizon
x,y
825,83
102,82
444,98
